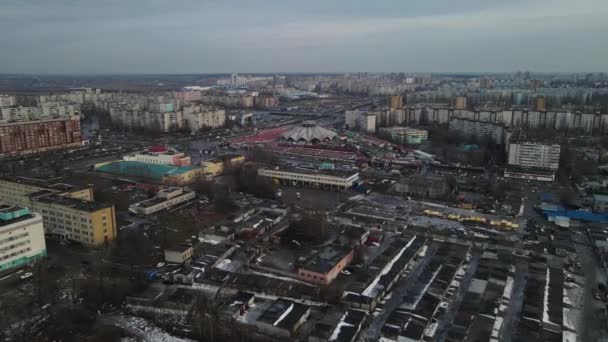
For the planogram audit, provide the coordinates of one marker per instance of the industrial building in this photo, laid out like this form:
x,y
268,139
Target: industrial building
x,y
164,199
21,237
425,186
26,137
328,179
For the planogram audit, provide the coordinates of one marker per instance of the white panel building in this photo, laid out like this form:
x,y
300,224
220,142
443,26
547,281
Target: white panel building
x,y
21,237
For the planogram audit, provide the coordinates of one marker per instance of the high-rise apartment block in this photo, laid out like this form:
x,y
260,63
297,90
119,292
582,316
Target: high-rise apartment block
x,y
532,159
200,117
459,102
479,129
540,103
395,102
24,137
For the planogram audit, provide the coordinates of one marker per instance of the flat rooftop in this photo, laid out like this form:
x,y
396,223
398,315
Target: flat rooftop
x,y
326,259
144,170
10,214
283,313
310,171
43,183
73,203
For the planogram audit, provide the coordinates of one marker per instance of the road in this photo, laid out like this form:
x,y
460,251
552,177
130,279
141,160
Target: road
x,y
590,328
511,317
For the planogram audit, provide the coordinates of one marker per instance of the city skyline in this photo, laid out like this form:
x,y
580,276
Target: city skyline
x,y
474,36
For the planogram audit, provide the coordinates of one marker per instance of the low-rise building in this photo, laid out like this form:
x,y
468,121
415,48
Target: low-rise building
x,y
161,155
325,266
166,174
21,237
179,254
331,179
426,186
164,199
600,203
405,135
282,318
215,166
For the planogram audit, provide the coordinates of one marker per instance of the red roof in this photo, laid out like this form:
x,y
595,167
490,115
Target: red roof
x,y
158,149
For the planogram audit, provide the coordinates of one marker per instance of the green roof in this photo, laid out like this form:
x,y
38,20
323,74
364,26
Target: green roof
x,y
144,170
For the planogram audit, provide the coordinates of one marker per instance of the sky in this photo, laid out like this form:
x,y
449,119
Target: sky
x,y
217,36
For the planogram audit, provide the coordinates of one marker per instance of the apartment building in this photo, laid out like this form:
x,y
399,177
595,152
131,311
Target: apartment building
x,y
197,117
405,135
479,129
68,211
532,154
47,110
21,237
90,223
595,123
7,100
38,136
532,159
351,117
17,190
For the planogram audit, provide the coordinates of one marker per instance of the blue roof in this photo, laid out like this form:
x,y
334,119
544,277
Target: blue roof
x,y
556,210
547,196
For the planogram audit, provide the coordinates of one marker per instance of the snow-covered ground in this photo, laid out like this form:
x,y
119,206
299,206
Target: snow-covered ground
x,y
142,329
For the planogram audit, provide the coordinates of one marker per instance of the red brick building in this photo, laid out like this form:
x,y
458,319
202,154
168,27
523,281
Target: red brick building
x,y
40,135
324,267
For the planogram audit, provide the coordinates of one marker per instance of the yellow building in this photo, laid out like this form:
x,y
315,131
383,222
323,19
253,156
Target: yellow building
x,y
91,223
17,190
68,211
215,166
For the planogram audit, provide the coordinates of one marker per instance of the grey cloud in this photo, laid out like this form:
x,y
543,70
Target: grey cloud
x,y
265,36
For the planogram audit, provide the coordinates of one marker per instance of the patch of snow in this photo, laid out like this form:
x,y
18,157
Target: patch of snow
x,y
546,299
368,290
283,315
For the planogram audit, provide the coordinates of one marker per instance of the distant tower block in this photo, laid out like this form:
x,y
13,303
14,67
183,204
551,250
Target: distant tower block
x,y
540,103
395,102
459,102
